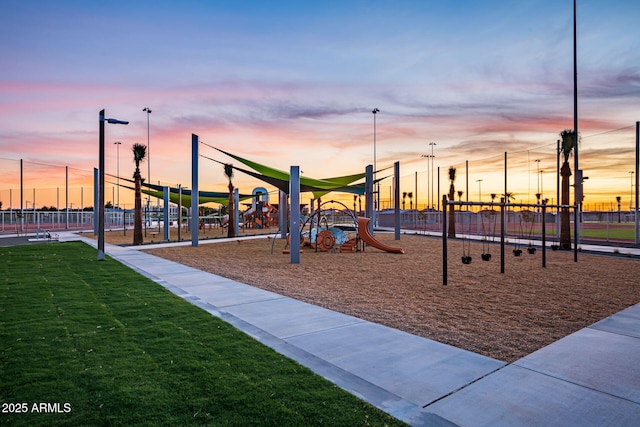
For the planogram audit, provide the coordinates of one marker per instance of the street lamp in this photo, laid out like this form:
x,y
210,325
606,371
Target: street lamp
x,y
479,181
375,111
101,120
148,111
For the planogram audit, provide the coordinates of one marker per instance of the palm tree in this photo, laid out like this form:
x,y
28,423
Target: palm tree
x,y
568,144
404,197
452,197
410,200
139,153
231,229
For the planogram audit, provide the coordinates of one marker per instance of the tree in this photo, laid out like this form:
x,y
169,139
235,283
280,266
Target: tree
x,y
410,200
452,208
404,197
228,171
568,144
139,153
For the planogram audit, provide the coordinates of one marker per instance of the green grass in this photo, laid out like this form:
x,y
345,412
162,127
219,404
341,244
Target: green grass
x,y
121,350
601,232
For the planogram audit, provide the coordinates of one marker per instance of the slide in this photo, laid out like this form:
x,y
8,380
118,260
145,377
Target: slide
x,y
365,235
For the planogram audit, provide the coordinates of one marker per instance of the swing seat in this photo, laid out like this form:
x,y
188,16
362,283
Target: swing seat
x,y
486,257
531,250
466,260
517,252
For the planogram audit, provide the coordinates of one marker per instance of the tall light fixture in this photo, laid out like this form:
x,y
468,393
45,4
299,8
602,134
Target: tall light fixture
x,y
479,181
148,111
432,144
428,157
101,120
376,200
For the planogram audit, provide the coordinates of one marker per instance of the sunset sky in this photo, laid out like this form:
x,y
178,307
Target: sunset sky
x,y
293,83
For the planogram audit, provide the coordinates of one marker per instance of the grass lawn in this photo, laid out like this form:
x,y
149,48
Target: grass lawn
x,y
99,344
591,230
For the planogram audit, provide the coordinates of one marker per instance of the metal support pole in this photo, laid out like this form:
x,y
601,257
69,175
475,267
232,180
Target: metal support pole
x,y
576,164
396,173
544,233
635,208
167,220
558,190
444,241
99,207
66,196
282,213
369,202
236,211
179,213
96,201
195,199
21,199
294,193
502,231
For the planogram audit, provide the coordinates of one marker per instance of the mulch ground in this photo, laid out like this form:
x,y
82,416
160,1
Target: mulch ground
x,y
504,316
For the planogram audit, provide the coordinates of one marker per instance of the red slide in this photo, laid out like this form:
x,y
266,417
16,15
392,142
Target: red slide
x,y
363,232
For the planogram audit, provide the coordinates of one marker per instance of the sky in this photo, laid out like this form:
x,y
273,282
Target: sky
x,y
294,83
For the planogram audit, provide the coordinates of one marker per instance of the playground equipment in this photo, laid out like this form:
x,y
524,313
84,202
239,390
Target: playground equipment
x,y
529,219
343,234
365,235
262,215
489,217
466,243
543,207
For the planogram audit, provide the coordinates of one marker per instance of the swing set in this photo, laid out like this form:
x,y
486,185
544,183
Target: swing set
x,y
488,221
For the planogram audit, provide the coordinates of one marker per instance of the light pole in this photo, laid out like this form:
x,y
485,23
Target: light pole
x,y
148,111
479,181
631,192
375,111
428,157
432,144
101,120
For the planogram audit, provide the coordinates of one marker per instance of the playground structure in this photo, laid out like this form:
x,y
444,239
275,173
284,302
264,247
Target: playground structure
x,y
262,215
337,231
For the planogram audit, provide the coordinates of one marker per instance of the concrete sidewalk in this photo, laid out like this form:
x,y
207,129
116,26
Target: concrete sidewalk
x,y
590,378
